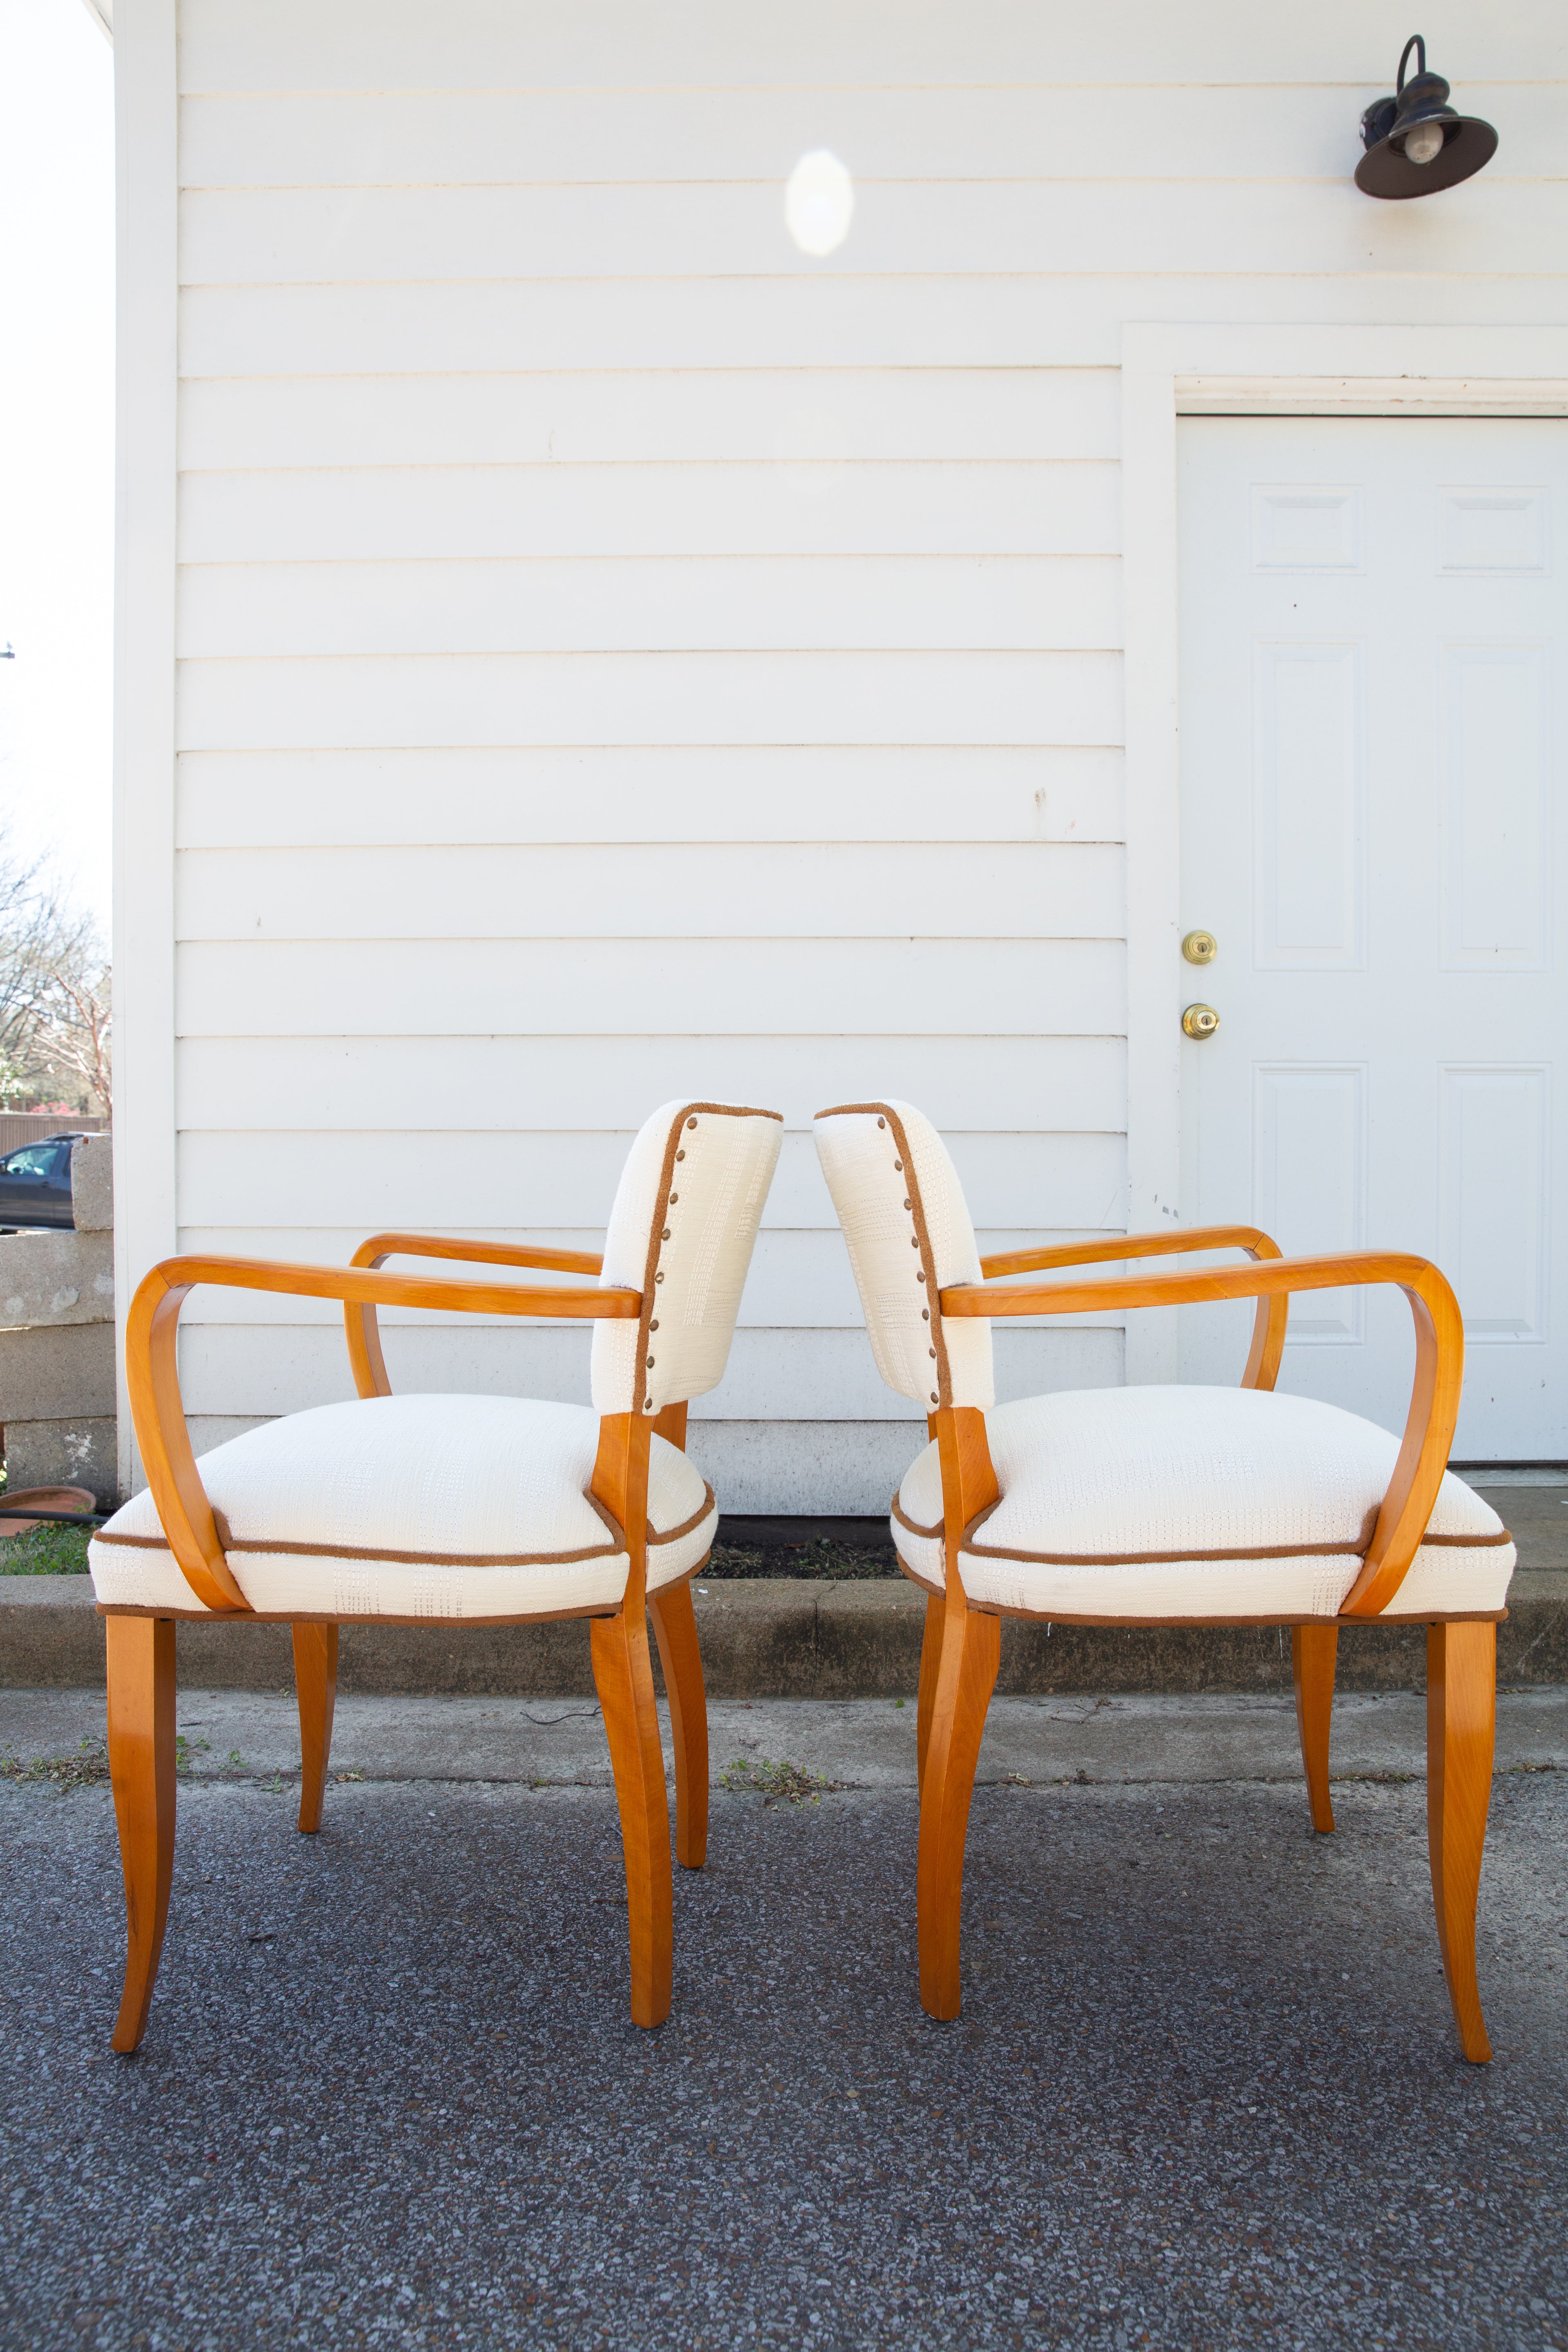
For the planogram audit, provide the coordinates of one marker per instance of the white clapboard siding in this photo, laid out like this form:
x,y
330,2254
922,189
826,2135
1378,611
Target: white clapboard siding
x,y
431,136
826,507
431,1175
622,657
677,416
660,604
760,987
693,793
995,229
790,891
807,322
771,1375
359,44
557,1080
465,698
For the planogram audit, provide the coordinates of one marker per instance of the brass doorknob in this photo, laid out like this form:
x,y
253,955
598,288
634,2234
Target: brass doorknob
x,y
1200,947
1200,1020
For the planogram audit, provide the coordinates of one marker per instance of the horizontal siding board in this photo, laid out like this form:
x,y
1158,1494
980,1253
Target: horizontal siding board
x,y
660,604
296,45
920,228
475,512
691,793
381,138
807,322
788,891
674,417
448,1177
459,993
364,1083
771,1375
445,1177
566,1081
807,698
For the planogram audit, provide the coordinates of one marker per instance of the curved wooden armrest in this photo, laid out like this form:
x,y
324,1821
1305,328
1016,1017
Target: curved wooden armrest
x,y
151,1373
363,1332
1434,1396
1273,1311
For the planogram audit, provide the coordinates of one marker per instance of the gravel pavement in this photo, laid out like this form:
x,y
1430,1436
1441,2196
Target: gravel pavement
x,y
1205,2092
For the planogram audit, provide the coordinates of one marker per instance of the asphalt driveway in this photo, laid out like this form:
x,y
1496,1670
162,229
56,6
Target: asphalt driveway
x,y
1205,2092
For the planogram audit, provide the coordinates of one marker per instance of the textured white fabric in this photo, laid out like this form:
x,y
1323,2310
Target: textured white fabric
x,y
471,1481
1142,1474
890,1175
682,1229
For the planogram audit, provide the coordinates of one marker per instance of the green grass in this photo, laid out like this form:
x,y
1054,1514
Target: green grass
x,y
44,1551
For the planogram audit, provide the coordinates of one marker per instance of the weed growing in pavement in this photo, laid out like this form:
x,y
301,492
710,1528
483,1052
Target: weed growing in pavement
x,y
89,1764
770,1780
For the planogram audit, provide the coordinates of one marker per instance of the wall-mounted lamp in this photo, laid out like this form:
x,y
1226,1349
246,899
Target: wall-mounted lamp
x,y
1414,142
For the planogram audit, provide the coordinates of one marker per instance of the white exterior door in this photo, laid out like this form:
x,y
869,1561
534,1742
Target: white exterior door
x,y
1374,616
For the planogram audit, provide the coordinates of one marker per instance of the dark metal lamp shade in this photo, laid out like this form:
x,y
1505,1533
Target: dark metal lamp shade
x,y
1415,144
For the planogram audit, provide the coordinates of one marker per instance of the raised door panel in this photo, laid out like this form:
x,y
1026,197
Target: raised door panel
x,y
1496,804
1307,808
1492,1200
1309,1180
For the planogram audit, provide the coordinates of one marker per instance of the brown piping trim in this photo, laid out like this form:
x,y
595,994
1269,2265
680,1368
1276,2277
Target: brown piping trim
x,y
1158,1558
933,1534
603,1513
1101,1560
324,1617
1055,1617
231,1542
925,1583
923,1231
1069,1617
1357,1548
336,1617
673,1535
656,1229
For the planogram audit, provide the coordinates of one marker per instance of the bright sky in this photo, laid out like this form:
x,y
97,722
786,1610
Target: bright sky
x,y
57,437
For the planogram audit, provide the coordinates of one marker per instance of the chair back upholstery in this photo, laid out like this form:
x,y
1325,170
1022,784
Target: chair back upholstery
x,y
686,1215
907,1227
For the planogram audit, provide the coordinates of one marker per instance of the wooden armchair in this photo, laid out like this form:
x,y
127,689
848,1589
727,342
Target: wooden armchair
x,y
479,1511
1163,1506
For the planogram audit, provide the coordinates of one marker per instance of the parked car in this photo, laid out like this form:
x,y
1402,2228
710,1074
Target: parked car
x,y
35,1184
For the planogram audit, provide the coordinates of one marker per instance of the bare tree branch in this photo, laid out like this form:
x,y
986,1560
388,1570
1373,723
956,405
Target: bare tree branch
x,y
55,1013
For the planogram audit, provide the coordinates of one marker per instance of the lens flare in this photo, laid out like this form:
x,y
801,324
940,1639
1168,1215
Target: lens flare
x,y
819,203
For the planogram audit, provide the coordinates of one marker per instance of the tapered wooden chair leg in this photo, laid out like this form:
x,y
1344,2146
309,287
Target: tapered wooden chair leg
x,y
1313,1650
1461,1718
675,1624
971,1652
622,1675
930,1667
142,1770
316,1688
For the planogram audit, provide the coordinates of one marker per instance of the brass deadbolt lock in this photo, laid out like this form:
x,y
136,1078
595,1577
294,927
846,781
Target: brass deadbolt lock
x,y
1200,1020
1200,947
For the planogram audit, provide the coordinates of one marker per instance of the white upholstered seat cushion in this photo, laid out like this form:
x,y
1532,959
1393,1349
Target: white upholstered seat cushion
x,y
437,1507
1171,1504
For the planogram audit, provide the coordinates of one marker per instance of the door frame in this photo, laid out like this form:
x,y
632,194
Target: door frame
x,y
1213,369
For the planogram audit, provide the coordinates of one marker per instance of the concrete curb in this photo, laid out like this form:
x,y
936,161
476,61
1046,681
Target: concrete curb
x,y
770,1638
